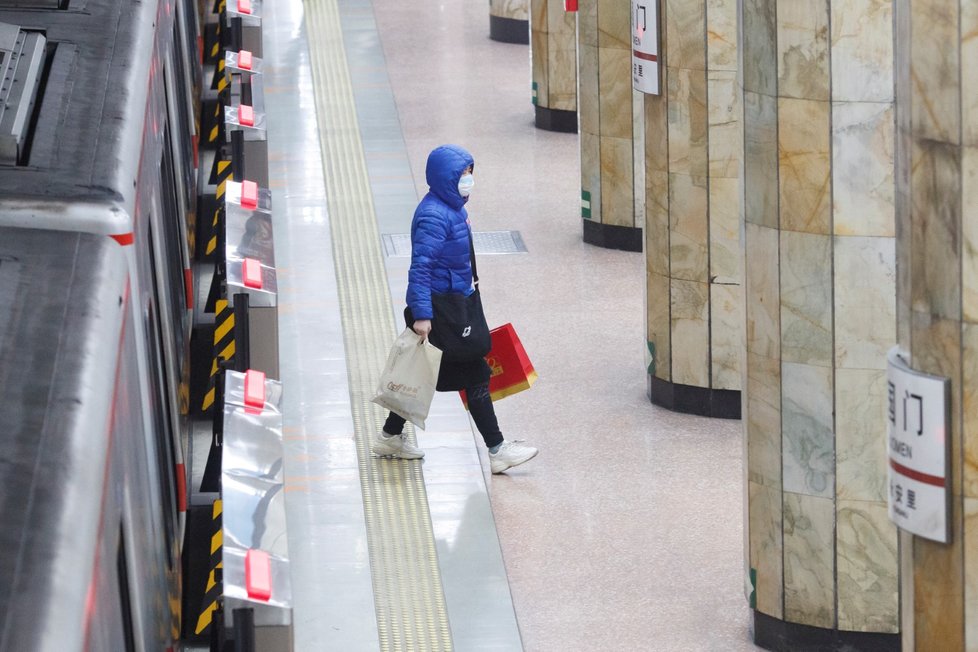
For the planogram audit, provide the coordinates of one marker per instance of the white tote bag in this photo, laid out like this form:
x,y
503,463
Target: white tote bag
x,y
408,383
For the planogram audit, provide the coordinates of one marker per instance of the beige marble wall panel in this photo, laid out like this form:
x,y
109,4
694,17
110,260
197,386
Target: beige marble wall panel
x,y
969,407
515,9
863,183
868,585
657,222
726,336
804,141
971,574
763,420
690,333
860,430
562,74
587,23
726,137
969,230
862,51
766,542
935,111
803,49
539,65
721,35
660,323
616,182
806,298
763,291
969,73
688,122
937,350
591,171
760,55
538,15
938,587
638,159
865,301
907,608
615,25
809,564
807,438
761,160
936,226
685,23
689,237
725,254
589,113
615,92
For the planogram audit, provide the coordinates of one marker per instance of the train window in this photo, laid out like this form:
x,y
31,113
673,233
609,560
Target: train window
x,y
122,573
172,243
162,427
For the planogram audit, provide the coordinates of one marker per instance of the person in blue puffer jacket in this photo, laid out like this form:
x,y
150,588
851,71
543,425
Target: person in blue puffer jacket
x,y
441,263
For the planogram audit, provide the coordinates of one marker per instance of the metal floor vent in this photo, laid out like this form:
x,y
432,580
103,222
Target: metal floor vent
x,y
486,242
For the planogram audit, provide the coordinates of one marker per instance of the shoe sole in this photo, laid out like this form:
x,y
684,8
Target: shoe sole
x,y
383,451
512,464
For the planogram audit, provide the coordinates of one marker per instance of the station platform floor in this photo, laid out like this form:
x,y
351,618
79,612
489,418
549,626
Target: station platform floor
x,y
626,532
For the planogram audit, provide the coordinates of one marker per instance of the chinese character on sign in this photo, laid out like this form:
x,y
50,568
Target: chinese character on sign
x,y
919,417
911,498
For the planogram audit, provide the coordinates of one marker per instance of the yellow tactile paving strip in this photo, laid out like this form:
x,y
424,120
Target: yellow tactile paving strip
x,y
408,595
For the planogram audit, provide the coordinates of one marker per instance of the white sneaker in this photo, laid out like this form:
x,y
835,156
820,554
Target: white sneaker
x,y
395,446
510,454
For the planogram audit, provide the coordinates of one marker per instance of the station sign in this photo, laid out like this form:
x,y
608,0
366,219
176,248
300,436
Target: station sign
x,y
918,423
645,46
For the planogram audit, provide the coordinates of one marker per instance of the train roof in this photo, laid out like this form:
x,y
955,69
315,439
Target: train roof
x,y
61,313
84,141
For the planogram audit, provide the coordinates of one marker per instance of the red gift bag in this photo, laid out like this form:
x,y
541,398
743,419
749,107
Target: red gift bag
x,y
512,370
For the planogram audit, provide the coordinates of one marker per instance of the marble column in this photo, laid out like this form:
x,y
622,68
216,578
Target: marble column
x,y
693,152
509,21
937,295
820,283
607,126
553,54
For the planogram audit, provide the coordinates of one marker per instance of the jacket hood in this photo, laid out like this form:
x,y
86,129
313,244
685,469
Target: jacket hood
x,y
444,169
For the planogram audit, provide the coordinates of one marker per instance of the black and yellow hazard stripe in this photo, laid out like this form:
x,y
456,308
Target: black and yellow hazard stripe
x,y
219,81
223,346
216,125
223,175
212,594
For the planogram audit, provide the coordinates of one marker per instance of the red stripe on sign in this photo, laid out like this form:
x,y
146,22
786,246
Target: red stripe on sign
x,y
125,239
642,55
258,574
917,475
188,284
181,487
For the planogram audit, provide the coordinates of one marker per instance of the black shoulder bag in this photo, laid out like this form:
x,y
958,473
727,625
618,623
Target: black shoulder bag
x,y
459,325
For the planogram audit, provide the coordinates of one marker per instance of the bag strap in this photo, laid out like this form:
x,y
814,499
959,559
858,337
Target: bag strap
x,y
475,272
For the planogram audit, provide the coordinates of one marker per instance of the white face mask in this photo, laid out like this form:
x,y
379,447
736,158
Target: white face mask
x,y
465,185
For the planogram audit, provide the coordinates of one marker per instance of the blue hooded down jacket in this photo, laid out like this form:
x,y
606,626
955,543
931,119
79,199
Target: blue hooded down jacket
x,y
440,258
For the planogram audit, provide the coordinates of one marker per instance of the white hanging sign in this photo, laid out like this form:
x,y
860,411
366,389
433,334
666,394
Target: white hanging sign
x,y
917,428
645,46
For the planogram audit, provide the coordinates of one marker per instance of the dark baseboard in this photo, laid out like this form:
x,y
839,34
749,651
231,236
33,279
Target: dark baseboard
x,y
780,636
702,401
509,30
556,119
612,236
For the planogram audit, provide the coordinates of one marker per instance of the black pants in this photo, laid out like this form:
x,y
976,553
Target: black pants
x,y
480,405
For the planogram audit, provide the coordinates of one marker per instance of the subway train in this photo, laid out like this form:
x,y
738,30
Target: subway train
x,y
98,187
